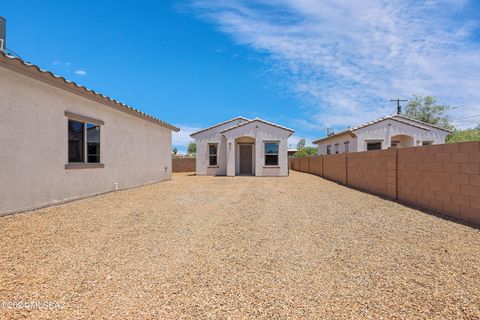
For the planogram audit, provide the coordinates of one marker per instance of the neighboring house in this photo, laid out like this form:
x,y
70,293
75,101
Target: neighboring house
x,y
242,147
291,151
61,141
391,131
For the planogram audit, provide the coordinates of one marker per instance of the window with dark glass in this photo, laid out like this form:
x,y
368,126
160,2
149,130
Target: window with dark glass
x,y
374,146
93,143
271,153
329,149
212,154
336,147
76,137
83,142
346,143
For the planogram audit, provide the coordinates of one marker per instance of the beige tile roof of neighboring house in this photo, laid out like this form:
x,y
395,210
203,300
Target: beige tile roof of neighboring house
x,y
422,123
33,71
394,117
259,120
219,124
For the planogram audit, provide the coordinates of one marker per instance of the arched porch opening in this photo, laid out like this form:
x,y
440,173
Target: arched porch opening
x,y
245,156
402,141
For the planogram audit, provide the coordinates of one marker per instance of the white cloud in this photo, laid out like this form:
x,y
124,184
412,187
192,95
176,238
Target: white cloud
x,y
181,139
347,59
294,139
61,64
80,72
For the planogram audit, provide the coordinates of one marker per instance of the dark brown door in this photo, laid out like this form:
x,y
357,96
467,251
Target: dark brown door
x,y
246,159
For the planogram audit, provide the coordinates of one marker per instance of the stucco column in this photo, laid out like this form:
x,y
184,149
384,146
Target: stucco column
x,y
388,139
259,157
360,143
230,157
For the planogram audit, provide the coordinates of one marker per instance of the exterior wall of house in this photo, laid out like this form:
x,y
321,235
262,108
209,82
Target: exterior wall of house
x,y
203,139
262,133
34,144
340,140
385,130
407,135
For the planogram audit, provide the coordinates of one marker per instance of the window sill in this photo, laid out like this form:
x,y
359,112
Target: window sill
x,y
70,166
271,166
212,167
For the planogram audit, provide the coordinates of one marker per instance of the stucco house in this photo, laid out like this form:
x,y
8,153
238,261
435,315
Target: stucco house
x,y
241,146
61,141
390,131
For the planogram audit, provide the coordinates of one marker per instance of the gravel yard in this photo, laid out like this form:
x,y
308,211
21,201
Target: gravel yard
x,y
243,247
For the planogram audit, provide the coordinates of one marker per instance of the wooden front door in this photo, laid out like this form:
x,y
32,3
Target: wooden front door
x,y
246,155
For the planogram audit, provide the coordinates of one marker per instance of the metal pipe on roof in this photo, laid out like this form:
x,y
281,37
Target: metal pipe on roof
x,y
3,33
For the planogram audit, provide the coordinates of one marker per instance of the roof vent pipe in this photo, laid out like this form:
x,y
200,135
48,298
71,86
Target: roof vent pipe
x,y
3,34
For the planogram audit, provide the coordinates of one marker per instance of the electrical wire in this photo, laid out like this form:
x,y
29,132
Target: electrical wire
x,y
474,116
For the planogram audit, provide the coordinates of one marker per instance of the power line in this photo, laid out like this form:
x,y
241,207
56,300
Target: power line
x,y
474,116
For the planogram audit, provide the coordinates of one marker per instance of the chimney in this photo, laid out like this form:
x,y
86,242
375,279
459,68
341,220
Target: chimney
x,y
3,34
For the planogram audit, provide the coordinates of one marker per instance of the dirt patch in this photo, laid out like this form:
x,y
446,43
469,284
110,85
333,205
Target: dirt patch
x,y
240,247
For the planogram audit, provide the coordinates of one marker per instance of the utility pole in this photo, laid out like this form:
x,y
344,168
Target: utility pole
x,y
399,107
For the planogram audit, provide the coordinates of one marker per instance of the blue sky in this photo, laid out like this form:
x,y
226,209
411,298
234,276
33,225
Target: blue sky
x,y
305,64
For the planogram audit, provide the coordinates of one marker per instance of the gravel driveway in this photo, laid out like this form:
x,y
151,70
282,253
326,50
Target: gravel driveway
x,y
243,247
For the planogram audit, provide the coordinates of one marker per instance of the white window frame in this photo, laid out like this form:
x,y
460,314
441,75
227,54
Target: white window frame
x,y
329,149
346,145
277,142
209,155
367,142
337,148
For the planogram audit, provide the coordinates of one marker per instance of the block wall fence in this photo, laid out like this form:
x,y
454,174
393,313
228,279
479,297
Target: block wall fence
x,y
184,165
442,178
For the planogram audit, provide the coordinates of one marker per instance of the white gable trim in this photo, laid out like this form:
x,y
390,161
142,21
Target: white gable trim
x,y
219,124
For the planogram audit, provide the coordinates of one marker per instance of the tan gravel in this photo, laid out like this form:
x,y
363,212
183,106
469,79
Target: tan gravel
x,y
243,247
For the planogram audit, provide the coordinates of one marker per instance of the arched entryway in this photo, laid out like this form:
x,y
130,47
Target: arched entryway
x,y
401,141
245,156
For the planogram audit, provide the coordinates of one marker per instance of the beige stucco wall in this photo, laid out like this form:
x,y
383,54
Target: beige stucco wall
x,y
352,144
383,131
202,140
34,144
228,164
262,133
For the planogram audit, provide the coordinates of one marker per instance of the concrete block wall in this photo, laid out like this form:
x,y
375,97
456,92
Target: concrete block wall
x,y
184,165
335,167
304,164
373,171
296,164
316,165
442,178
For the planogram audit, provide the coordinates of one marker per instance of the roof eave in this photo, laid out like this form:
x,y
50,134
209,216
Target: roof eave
x,y
423,123
343,133
30,70
219,124
262,121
